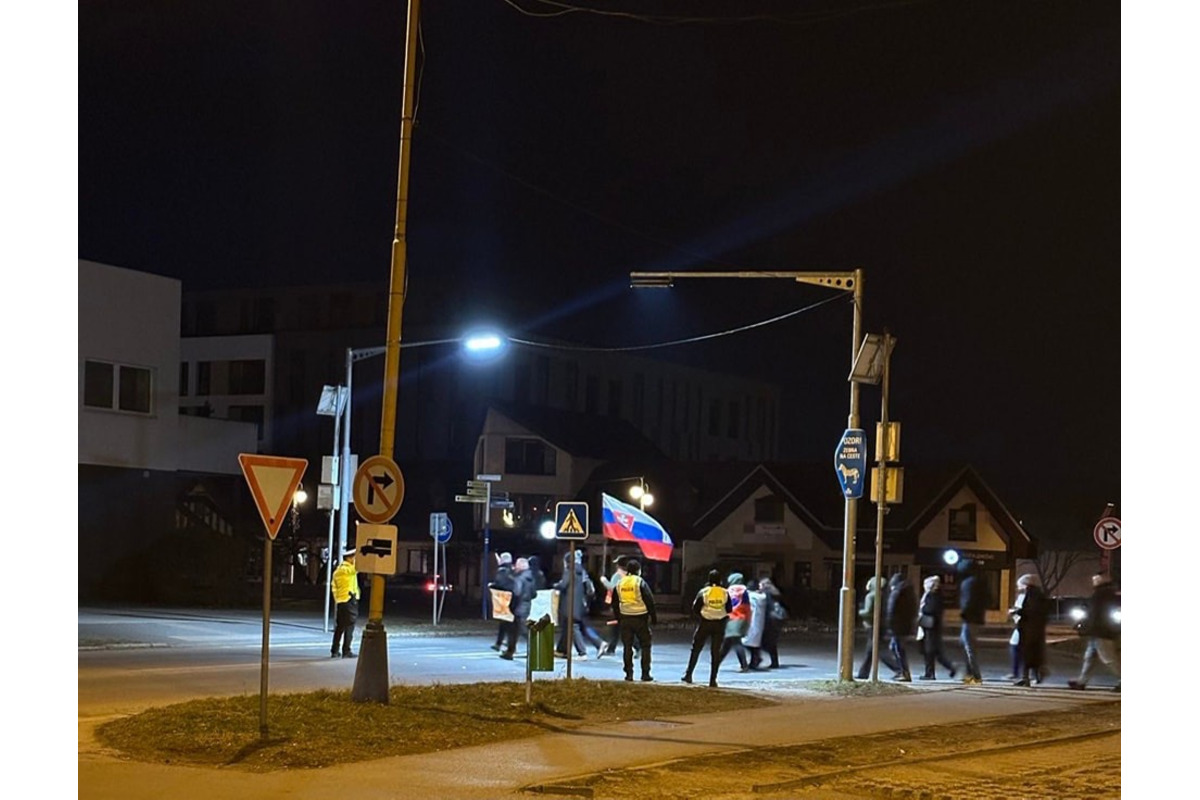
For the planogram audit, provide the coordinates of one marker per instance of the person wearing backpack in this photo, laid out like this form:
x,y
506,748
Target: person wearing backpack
x,y
712,606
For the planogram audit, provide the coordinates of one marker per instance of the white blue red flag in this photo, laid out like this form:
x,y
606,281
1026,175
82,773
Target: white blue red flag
x,y
626,523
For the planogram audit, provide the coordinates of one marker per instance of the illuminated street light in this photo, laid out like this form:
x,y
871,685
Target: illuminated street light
x,y
546,529
846,282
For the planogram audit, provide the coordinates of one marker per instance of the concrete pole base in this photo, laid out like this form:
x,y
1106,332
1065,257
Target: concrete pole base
x,y
371,674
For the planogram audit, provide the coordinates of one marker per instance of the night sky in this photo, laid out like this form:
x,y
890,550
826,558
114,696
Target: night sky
x,y
966,155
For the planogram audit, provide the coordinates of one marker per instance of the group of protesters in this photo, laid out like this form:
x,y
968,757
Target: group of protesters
x,y
902,616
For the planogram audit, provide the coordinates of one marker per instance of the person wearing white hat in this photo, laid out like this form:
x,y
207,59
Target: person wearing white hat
x,y
344,586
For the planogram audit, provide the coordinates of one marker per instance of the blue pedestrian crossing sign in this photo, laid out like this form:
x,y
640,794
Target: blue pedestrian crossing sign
x,y
850,462
570,521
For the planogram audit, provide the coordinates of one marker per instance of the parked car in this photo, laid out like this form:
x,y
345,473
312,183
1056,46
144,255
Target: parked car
x,y
415,588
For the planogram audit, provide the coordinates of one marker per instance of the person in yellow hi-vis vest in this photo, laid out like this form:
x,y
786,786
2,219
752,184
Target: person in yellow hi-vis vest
x,y
713,605
344,586
633,603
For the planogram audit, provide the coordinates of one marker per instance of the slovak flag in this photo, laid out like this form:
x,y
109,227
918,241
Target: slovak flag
x,y
626,523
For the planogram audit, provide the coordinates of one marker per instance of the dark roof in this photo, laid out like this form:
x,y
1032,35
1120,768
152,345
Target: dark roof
x,y
585,435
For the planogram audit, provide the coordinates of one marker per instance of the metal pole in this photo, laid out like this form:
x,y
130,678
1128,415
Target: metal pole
x,y
881,504
266,638
846,603
487,542
436,580
344,467
570,606
337,493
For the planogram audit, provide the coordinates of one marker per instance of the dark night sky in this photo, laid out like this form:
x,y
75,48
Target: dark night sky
x,y
966,155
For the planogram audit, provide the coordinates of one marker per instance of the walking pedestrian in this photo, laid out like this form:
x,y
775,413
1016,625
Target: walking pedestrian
x,y
712,606
575,578
522,600
1102,627
866,613
610,585
777,613
972,605
738,622
901,618
929,629
1031,614
752,639
344,585
502,582
633,603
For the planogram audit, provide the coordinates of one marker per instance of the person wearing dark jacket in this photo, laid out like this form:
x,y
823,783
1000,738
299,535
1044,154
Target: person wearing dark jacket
x,y
522,600
1030,614
633,603
972,605
900,618
930,621
1102,626
503,581
866,613
578,581
776,614
712,606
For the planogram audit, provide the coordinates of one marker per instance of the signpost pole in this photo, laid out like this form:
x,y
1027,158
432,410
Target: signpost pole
x,y
436,579
266,639
880,509
570,607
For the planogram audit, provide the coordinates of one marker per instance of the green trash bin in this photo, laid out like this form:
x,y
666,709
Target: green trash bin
x,y
541,647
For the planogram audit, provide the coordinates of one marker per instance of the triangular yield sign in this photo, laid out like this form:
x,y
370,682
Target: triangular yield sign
x,y
273,481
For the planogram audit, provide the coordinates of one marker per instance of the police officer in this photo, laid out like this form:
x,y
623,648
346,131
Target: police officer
x,y
713,605
633,603
344,585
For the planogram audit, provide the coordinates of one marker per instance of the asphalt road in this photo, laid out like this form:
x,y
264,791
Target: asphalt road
x,y
132,658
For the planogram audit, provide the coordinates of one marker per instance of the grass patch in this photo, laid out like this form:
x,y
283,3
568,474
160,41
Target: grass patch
x,y
318,729
857,688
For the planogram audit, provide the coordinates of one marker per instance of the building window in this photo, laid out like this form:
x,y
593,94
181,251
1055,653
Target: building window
x,y
528,457
203,378
962,524
206,318
97,384
417,561
248,377
134,389
802,575
529,511
733,420
130,391
183,379
255,414
714,418
768,509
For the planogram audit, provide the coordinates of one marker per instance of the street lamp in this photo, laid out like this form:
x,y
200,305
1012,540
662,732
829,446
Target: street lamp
x,y
846,282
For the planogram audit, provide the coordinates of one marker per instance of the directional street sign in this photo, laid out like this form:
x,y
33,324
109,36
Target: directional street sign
x,y
440,527
477,491
378,489
273,481
376,549
477,484
469,498
1107,533
570,520
850,462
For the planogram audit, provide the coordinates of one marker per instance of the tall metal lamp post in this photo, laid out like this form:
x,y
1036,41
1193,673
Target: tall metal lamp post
x,y
842,281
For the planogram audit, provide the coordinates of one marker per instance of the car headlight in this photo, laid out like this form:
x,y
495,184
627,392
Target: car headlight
x,y
1078,614
1116,616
